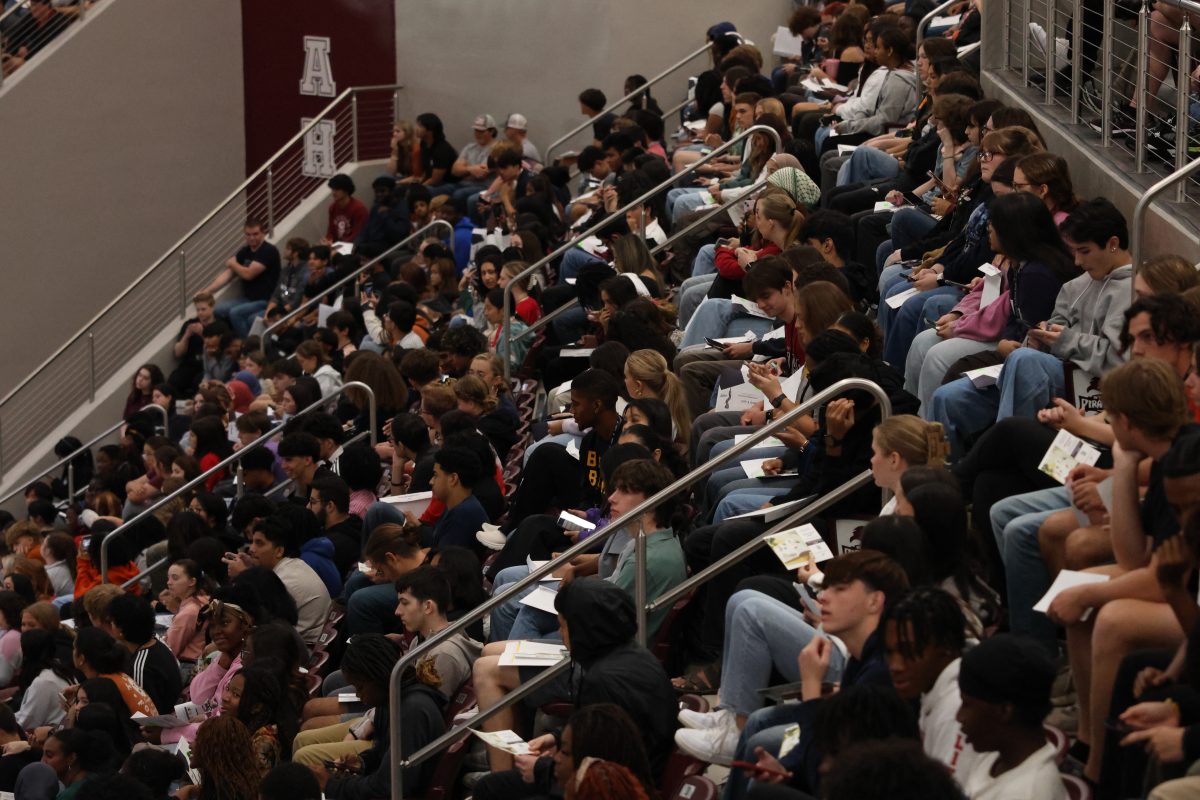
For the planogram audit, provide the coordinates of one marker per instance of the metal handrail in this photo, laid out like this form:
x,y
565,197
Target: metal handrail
x,y
144,573
511,590
313,301
233,459
173,251
928,18
1137,226
643,88
705,217
507,323
67,460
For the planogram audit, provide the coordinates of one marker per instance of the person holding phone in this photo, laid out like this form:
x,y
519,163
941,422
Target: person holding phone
x,y
1035,264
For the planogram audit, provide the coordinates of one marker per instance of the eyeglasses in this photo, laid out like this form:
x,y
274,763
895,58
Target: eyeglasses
x,y
986,155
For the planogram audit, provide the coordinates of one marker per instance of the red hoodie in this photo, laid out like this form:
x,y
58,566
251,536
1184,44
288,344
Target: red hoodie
x,y
727,263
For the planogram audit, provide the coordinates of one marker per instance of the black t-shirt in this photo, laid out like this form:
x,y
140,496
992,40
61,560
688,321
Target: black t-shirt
x,y
261,287
1158,519
602,126
195,347
440,155
347,538
155,669
591,450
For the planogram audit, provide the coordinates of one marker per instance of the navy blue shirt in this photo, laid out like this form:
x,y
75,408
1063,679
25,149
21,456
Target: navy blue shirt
x,y
458,525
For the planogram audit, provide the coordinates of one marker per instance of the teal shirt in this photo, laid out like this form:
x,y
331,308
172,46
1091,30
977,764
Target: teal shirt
x,y
665,569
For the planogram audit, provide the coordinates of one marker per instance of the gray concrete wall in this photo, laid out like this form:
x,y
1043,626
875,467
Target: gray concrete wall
x,y
534,58
116,140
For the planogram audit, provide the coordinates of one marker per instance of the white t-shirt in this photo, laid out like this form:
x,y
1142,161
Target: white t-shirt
x,y
940,732
1036,778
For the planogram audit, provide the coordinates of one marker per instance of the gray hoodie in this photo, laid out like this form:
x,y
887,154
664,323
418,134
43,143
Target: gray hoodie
x,y
895,104
1092,313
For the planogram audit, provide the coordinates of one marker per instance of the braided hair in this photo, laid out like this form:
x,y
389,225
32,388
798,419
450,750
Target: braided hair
x,y
265,702
927,616
224,754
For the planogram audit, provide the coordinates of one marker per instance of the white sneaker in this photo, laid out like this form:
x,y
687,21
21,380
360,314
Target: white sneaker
x,y
713,745
703,720
491,537
466,715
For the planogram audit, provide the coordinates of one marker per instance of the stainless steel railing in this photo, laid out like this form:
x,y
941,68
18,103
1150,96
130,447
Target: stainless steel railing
x,y
236,458
644,88
74,14
923,25
69,460
398,762
1137,226
506,337
355,126
315,301
1109,64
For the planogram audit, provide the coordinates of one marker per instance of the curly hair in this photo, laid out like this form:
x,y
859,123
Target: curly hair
x,y
606,779
224,754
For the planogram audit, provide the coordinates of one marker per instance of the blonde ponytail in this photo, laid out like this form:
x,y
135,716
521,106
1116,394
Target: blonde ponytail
x,y
916,441
649,367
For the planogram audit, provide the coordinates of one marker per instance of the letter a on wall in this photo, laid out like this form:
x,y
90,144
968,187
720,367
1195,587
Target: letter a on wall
x,y
318,72
318,149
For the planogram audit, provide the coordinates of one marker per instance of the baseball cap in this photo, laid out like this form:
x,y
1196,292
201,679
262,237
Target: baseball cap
x,y
720,29
517,121
483,122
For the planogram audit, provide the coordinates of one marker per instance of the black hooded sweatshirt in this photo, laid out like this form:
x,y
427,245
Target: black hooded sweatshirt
x,y
601,625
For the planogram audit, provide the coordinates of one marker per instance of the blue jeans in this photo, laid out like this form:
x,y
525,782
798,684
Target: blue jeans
x,y
963,411
867,164
765,728
504,616
692,292
462,195
761,633
1015,524
705,262
719,318
570,325
371,608
380,514
572,261
889,278
1030,381
909,226
240,313
685,203
673,196
904,321
822,133
930,357
718,480
740,501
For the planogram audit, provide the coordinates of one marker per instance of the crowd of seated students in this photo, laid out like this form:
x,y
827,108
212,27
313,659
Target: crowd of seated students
x,y
325,529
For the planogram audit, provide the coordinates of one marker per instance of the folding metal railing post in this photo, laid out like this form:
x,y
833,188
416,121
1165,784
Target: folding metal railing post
x,y
399,762
1137,225
236,458
1183,82
614,104
923,25
1106,78
314,301
506,338
1139,91
69,460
